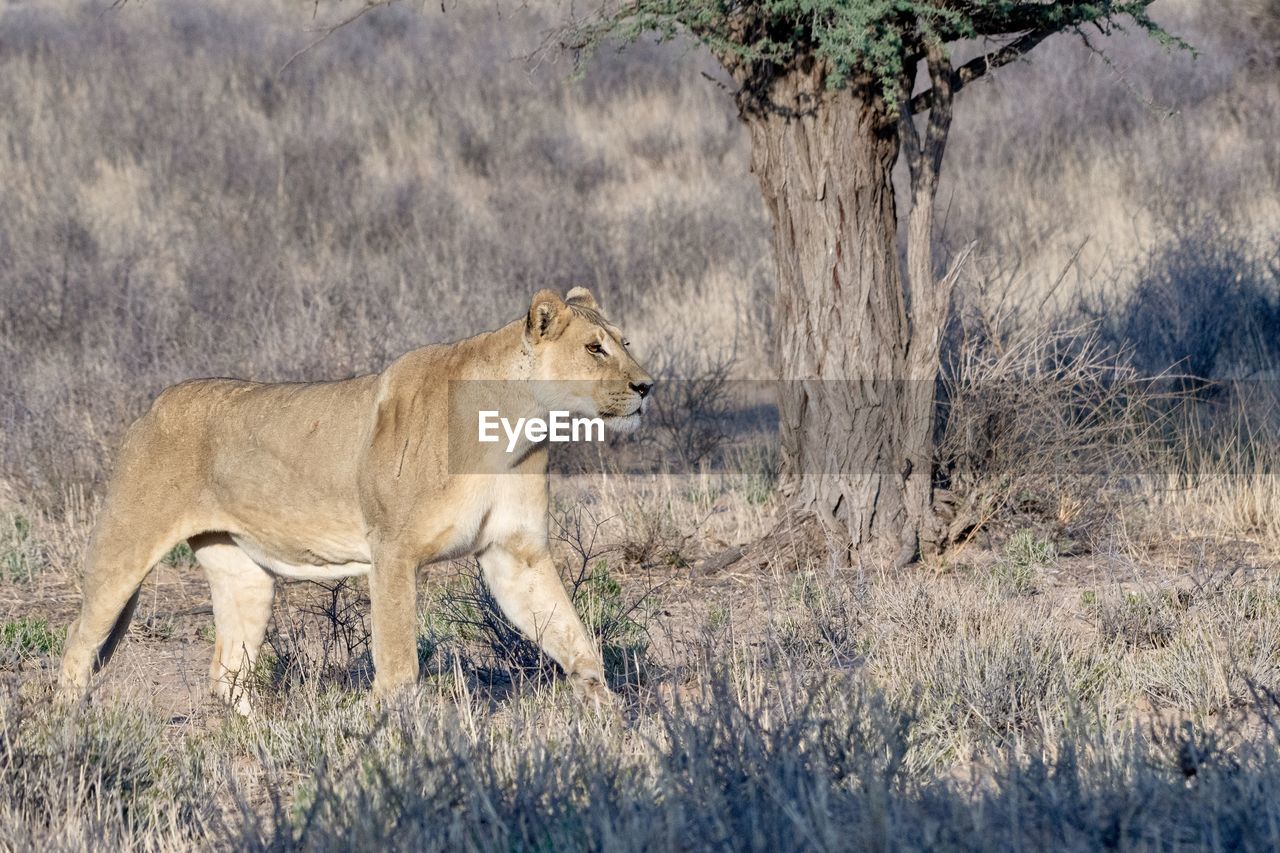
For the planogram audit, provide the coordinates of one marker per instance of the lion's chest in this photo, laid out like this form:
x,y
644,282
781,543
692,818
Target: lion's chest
x,y
481,511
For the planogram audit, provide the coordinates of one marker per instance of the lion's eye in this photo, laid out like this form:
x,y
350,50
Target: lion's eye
x,y
626,343
595,348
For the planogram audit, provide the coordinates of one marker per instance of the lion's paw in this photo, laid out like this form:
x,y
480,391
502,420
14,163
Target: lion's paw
x,y
596,695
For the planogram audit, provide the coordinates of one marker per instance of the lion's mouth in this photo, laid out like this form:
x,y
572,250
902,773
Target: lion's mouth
x,y
634,413
624,422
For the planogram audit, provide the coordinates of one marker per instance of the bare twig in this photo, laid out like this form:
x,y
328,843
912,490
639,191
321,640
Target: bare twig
x,y
325,32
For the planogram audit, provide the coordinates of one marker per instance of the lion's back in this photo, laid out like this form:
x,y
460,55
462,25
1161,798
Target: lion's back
x,y
220,429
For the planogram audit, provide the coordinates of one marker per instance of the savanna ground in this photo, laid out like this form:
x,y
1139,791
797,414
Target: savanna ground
x,y
1095,664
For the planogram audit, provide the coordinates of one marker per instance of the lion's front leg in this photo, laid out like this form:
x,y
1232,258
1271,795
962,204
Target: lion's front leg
x,y
393,595
526,586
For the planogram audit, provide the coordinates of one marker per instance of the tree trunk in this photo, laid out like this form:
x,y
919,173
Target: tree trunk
x,y
824,158
929,301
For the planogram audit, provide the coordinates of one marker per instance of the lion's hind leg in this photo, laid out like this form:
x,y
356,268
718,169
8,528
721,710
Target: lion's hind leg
x,y
119,560
242,593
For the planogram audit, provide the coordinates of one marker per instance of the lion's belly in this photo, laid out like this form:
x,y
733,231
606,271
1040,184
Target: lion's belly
x,y
476,513
321,564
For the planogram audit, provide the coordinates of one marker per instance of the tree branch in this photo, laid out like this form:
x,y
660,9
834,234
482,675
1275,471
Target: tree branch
x,y
945,82
924,154
977,67
910,140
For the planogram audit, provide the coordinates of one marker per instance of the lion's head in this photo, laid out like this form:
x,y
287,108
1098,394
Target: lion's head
x,y
581,362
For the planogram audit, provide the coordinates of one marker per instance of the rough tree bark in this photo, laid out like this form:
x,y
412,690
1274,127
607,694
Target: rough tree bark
x,y
824,159
858,353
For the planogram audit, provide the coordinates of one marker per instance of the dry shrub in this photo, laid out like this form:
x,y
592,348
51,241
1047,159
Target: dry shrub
x,y
690,418
873,718
1184,675
317,221
1221,476
85,779
1205,306
829,619
827,767
658,532
1210,648
761,762
319,634
1036,186
1141,619
1042,424
976,669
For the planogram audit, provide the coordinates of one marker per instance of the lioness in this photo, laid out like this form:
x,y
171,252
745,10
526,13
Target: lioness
x,y
379,474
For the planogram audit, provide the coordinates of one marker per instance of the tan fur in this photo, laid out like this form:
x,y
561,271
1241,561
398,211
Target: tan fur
x,y
379,474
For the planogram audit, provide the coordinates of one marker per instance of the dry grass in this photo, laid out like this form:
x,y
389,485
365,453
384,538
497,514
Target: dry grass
x,y
1025,696
1096,664
855,708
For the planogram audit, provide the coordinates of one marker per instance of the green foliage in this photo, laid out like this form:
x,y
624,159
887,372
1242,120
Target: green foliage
x,y
1026,549
881,39
29,636
1022,560
180,555
20,557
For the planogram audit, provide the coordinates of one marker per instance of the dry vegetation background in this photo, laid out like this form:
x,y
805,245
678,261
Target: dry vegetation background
x,y
1095,665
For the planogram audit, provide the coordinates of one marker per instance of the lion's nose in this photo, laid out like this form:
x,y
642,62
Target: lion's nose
x,y
641,388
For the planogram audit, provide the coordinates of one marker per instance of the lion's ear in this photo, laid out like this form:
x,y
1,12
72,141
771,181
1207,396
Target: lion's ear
x,y
582,296
546,316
